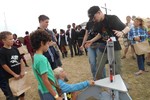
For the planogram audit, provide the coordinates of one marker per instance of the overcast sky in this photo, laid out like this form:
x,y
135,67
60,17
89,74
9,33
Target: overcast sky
x,y
22,15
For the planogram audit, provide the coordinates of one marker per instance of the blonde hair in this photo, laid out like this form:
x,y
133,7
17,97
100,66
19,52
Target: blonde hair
x,y
57,71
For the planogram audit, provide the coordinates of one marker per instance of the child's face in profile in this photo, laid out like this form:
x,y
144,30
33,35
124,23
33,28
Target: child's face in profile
x,y
8,41
46,46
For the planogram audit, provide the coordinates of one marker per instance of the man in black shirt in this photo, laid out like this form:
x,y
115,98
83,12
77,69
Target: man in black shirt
x,y
80,36
72,38
93,50
107,26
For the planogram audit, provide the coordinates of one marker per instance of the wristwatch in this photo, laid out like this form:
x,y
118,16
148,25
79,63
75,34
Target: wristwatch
x,y
56,96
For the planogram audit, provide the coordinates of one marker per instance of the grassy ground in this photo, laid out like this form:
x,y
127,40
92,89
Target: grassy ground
x,y
78,70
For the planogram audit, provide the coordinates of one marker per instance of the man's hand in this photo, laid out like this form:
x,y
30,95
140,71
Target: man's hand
x,y
52,43
118,33
81,47
88,43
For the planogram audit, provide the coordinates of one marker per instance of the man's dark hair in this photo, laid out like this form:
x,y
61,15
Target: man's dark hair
x,y
39,36
73,24
61,30
15,35
4,34
26,32
43,17
54,30
69,26
79,26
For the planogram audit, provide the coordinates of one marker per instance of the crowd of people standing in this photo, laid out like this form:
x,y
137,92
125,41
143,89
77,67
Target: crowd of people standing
x,y
45,46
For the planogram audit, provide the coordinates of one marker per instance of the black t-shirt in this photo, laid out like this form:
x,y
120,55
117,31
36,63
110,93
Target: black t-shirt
x,y
92,29
10,57
106,27
73,34
2,75
81,34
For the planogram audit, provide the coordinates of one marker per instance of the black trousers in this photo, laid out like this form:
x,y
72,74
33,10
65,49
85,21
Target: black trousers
x,y
71,47
4,85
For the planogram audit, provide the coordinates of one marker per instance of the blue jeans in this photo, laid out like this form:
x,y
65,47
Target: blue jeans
x,y
92,54
46,96
140,61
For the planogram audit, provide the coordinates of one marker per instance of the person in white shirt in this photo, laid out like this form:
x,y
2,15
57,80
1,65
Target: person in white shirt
x,y
126,41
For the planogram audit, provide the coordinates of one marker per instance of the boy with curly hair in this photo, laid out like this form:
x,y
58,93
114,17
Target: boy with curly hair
x,y
42,69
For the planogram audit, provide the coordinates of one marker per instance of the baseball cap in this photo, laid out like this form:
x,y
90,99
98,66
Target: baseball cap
x,y
92,11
